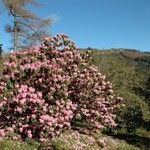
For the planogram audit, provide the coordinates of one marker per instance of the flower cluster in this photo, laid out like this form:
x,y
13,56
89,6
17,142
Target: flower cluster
x,y
44,88
30,116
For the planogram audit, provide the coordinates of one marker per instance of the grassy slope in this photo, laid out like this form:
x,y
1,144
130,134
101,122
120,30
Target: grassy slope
x,y
125,69
120,67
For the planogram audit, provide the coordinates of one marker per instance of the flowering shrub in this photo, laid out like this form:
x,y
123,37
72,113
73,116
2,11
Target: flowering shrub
x,y
44,88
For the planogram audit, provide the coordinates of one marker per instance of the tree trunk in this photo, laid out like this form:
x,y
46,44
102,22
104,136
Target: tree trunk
x,y
15,33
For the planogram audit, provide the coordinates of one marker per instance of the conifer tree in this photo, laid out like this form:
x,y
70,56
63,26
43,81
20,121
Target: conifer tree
x,y
26,28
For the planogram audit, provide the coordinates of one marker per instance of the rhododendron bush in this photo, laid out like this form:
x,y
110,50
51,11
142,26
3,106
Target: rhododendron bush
x,y
44,88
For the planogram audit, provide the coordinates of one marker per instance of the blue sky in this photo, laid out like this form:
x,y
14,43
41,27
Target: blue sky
x,y
95,23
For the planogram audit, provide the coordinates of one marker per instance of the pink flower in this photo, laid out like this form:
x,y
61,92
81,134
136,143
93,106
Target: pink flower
x,y
42,139
20,90
5,98
15,138
57,102
34,96
67,124
29,133
39,94
2,132
44,108
1,104
32,90
40,80
23,101
10,129
19,109
41,120
49,123
21,129
24,95
13,126
33,116
67,107
67,117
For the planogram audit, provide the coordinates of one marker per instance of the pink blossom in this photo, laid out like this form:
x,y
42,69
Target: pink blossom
x,y
33,116
19,109
24,95
29,134
2,132
22,101
67,117
39,94
32,90
21,129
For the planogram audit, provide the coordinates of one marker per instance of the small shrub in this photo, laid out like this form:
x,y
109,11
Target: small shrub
x,y
133,115
44,88
129,119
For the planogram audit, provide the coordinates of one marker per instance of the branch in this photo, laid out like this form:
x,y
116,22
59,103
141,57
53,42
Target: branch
x,y
27,26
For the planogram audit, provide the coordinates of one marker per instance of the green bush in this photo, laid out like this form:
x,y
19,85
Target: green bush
x,y
133,115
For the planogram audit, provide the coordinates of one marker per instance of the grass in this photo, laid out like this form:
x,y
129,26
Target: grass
x,y
15,145
69,140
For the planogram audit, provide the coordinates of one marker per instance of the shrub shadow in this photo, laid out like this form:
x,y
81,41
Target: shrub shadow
x,y
141,142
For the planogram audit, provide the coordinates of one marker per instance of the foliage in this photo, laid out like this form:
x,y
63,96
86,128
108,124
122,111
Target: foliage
x,y
129,119
144,91
44,88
